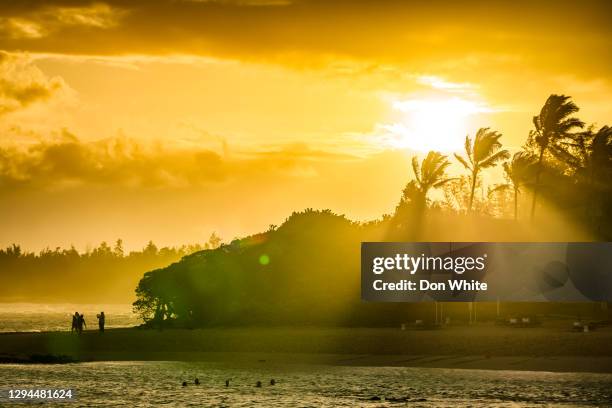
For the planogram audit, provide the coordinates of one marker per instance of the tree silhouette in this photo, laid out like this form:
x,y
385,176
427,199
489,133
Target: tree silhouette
x,y
483,153
104,274
517,172
457,194
118,249
553,131
594,151
214,241
594,166
431,173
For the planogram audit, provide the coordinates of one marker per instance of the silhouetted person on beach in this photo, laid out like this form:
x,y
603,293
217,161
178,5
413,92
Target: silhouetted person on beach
x,y
75,322
81,323
101,319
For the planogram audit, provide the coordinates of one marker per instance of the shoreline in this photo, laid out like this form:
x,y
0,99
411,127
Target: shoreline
x,y
563,364
482,347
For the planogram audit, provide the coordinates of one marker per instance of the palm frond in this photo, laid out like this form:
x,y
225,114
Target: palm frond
x,y
443,182
416,169
494,159
497,188
468,149
462,161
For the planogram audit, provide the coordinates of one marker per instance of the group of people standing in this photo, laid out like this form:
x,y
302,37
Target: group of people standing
x,y
78,322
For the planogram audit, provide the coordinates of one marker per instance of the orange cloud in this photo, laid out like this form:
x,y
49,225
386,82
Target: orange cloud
x,y
552,34
67,162
43,21
22,84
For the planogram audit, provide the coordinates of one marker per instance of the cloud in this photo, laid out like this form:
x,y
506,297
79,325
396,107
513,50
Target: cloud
x,y
444,85
21,28
66,162
98,15
302,33
251,3
23,84
43,21
301,151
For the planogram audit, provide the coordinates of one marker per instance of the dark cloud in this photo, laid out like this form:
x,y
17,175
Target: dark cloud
x,y
554,34
43,19
67,162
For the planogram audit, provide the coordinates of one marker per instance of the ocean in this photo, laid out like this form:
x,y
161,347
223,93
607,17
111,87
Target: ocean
x,y
33,317
141,384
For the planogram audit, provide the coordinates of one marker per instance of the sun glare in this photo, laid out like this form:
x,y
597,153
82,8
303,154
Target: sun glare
x,y
432,124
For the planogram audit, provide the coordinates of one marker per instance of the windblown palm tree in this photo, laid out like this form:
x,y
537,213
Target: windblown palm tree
x,y
594,166
483,153
431,173
553,129
594,161
517,172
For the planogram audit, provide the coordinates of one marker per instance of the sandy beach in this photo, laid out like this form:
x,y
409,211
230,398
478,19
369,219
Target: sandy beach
x,y
553,348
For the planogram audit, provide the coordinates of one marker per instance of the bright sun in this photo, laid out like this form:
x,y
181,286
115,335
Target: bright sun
x,y
432,124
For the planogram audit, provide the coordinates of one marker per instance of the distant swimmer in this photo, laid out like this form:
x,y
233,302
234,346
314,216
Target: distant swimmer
x,y
101,321
184,383
273,382
196,381
258,384
227,383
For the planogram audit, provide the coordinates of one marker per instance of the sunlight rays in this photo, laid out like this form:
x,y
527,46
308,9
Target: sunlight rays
x,y
432,123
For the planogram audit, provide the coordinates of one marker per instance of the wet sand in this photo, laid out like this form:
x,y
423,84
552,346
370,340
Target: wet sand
x,y
552,348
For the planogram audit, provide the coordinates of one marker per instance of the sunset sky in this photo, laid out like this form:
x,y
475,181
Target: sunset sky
x,y
168,120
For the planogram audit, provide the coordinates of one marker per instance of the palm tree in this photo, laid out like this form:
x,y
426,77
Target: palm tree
x,y
594,160
431,173
553,127
483,153
594,165
517,172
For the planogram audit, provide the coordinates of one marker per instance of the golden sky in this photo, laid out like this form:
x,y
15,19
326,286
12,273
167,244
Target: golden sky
x,y
168,120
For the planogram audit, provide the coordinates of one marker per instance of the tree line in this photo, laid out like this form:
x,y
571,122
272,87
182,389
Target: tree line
x,y
103,274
